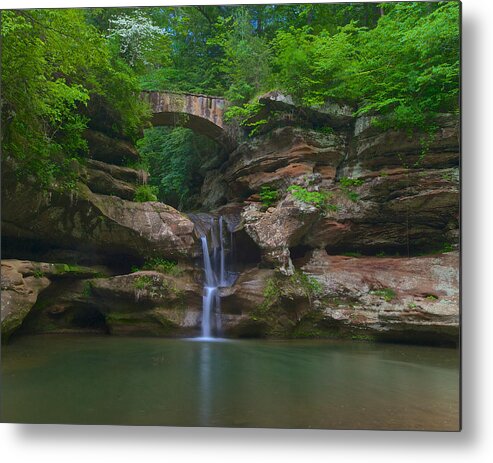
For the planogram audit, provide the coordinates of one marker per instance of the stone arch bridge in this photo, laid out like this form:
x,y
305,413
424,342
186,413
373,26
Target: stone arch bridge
x,y
202,113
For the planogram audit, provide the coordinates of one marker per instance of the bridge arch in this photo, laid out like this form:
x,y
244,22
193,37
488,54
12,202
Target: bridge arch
x,y
203,114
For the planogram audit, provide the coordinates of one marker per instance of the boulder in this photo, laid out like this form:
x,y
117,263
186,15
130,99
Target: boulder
x,y
276,230
99,224
147,303
124,174
412,300
22,281
247,292
108,179
101,182
150,303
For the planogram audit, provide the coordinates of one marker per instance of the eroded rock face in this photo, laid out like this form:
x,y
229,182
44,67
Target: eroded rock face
x,y
404,210
375,149
108,179
149,303
146,303
396,298
408,200
399,299
274,160
98,223
278,229
22,281
109,149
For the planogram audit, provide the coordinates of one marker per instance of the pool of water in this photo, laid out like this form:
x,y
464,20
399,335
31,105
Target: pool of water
x,y
285,384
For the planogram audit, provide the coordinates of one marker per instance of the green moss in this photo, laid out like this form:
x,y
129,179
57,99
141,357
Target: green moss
x,y
271,311
154,287
38,273
308,284
431,297
121,318
387,294
87,289
352,254
347,182
363,337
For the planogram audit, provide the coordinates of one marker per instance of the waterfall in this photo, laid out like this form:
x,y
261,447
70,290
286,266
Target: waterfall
x,y
222,278
209,277
216,273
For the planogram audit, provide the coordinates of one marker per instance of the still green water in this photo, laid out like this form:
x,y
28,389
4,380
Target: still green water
x,y
286,384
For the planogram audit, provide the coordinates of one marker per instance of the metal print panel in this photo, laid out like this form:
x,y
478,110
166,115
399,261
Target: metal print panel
x,y
237,216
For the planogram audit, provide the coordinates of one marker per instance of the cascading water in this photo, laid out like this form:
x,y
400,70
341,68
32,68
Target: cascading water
x,y
216,274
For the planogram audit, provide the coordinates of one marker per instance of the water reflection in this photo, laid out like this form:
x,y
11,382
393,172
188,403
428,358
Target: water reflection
x,y
230,383
204,384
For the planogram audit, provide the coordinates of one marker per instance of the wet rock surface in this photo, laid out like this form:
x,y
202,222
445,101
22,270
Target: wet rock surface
x,y
388,193
23,281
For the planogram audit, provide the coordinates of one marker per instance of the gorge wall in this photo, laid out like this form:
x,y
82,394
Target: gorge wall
x,y
360,238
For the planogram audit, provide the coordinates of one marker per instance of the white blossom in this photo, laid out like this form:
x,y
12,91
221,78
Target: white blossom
x,y
137,34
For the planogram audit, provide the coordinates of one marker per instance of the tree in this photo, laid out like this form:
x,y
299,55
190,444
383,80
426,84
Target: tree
x,y
56,70
141,42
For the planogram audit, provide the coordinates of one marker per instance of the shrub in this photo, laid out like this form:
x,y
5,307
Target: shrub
x,y
268,196
145,193
319,199
162,265
143,282
347,184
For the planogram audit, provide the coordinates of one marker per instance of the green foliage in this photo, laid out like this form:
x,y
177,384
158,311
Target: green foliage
x,y
143,282
319,199
347,185
87,289
57,74
162,265
310,285
246,116
431,297
38,273
245,55
145,193
388,294
407,67
347,182
268,196
64,70
175,158
447,247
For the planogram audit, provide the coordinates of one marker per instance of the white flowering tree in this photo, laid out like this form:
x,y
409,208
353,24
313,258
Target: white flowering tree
x,y
141,41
